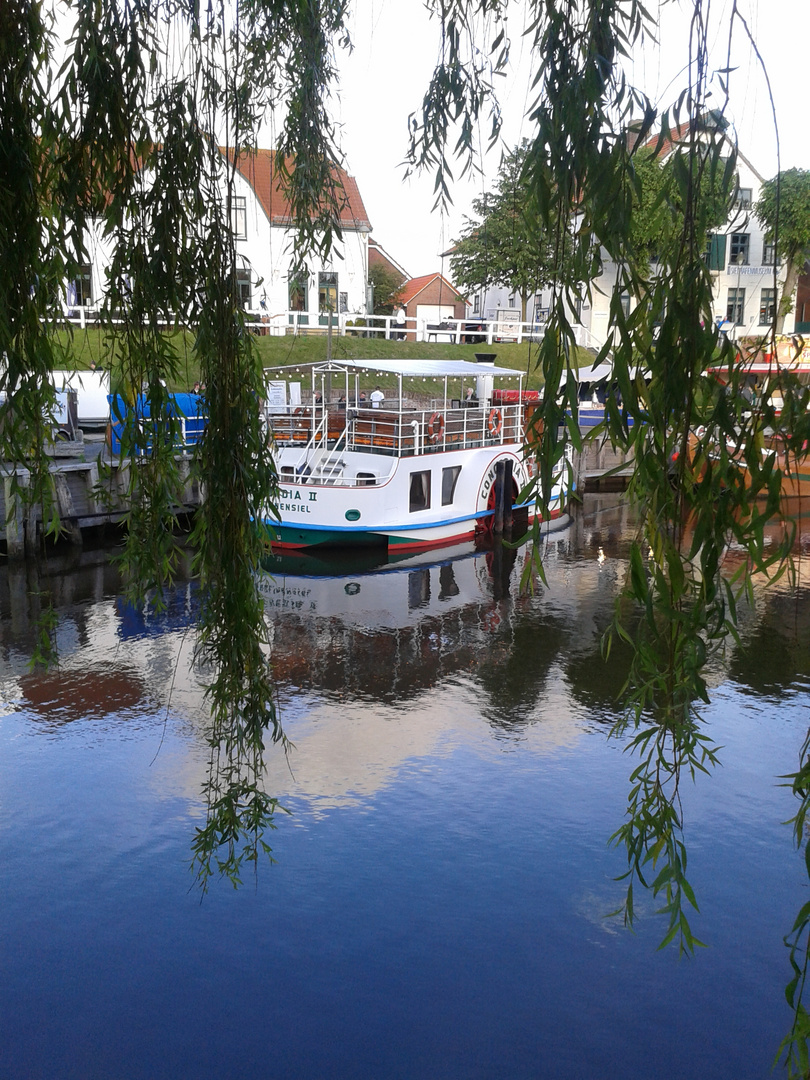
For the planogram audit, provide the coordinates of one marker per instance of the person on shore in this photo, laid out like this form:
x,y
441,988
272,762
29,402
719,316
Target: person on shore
x,y
400,323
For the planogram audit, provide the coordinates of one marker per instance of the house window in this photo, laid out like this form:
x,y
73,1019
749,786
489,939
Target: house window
x,y
327,291
82,288
299,291
511,301
243,288
624,300
449,481
768,254
420,491
738,255
239,217
744,197
767,307
716,251
735,308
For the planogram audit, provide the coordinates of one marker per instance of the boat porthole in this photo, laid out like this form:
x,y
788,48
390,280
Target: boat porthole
x,y
352,589
352,515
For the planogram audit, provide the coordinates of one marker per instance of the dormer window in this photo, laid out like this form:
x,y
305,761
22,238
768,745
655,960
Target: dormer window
x,y
745,197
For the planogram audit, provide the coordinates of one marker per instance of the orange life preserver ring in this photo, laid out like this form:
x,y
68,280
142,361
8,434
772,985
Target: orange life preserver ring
x,y
436,427
495,423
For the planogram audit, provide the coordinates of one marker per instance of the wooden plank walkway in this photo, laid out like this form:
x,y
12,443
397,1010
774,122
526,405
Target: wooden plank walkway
x,y
90,489
88,496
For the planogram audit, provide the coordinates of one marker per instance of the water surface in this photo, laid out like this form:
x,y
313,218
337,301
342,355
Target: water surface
x,y
437,906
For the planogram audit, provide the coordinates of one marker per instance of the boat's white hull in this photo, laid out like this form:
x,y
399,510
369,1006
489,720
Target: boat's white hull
x,y
382,510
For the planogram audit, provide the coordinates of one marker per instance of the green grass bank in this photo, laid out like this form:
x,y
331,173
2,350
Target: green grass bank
x,y
84,346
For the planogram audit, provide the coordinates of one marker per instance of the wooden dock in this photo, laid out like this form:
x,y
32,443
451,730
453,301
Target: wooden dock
x,y
90,490
603,469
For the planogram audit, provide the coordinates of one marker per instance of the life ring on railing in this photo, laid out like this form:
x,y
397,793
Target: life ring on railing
x,y
436,427
494,423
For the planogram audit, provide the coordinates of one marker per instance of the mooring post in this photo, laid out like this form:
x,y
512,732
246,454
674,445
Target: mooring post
x,y
497,521
503,497
507,498
15,518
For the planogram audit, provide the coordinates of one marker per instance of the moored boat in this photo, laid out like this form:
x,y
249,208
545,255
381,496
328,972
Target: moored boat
x,y
396,471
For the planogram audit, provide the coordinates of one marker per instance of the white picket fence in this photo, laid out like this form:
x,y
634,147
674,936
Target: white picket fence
x,y
469,331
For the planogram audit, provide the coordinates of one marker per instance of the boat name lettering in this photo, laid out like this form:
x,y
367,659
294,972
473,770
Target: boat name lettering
x,y
489,480
282,604
296,496
293,508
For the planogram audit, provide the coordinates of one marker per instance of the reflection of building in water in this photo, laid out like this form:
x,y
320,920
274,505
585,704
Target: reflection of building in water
x,y
111,659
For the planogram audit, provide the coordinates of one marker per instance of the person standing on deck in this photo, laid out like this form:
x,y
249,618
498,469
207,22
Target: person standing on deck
x,y
377,398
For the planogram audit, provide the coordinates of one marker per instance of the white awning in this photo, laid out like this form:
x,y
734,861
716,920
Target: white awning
x,y
435,369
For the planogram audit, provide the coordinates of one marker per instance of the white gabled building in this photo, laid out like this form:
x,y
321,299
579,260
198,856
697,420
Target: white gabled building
x,y
741,264
264,229
264,232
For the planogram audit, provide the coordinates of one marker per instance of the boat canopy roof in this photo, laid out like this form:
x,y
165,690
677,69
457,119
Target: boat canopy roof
x,y
602,373
436,369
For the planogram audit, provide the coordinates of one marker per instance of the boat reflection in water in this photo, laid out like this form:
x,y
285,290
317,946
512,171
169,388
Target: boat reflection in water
x,y
384,629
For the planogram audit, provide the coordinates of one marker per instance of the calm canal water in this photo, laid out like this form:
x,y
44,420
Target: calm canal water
x,y
437,907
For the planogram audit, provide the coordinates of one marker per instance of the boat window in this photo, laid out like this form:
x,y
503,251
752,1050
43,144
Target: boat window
x,y
447,583
418,588
366,479
449,481
420,491
287,472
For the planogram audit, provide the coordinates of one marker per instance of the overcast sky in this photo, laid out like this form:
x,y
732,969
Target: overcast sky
x,y
396,46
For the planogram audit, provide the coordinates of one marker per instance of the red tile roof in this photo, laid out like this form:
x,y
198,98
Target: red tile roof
x,y
259,168
413,287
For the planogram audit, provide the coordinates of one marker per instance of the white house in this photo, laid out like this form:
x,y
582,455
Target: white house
x,y
742,267
741,262
263,230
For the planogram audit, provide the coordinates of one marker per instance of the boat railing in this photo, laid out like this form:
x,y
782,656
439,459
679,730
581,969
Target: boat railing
x,y
322,432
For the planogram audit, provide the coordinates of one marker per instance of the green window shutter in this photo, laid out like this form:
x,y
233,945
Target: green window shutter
x,y
717,251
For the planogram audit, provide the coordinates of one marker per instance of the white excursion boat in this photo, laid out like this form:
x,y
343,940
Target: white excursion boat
x,y
369,469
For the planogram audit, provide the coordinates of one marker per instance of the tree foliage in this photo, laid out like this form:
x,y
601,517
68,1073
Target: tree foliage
x,y
784,209
503,244
126,140
387,287
658,210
